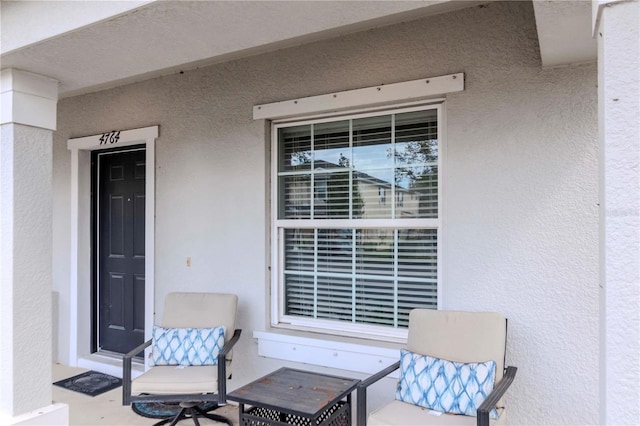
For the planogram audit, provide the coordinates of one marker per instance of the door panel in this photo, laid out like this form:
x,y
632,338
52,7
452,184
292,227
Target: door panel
x,y
121,250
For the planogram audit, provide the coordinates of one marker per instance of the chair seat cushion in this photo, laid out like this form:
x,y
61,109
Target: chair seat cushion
x,y
171,380
400,413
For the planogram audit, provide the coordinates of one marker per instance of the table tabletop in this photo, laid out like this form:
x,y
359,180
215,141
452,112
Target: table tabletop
x,y
298,392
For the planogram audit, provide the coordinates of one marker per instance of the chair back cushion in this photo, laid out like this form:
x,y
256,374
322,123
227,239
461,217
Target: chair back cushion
x,y
459,336
201,310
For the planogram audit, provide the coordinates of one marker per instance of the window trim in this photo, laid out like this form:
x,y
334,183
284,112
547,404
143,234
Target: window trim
x,y
381,333
391,95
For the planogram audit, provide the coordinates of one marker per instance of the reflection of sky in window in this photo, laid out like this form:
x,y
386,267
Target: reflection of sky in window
x,y
332,155
373,160
371,140
373,157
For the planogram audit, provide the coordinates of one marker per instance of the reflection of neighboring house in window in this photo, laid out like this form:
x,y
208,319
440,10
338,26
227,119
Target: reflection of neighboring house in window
x,y
298,198
321,196
382,195
372,191
321,191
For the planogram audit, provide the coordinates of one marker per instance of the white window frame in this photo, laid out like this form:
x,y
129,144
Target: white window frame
x,y
384,333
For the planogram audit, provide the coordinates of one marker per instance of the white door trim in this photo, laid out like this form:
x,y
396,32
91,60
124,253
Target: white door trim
x,y
80,253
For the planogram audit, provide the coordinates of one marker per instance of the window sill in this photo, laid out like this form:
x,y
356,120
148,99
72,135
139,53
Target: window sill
x,y
345,354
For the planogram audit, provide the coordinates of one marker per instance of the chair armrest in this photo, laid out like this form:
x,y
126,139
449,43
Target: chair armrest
x,y
361,405
227,346
126,371
222,366
495,395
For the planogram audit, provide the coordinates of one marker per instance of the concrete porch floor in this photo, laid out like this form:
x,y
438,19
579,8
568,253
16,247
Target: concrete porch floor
x,y
107,408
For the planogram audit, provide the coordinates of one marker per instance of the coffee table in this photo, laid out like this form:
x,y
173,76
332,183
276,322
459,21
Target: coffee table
x,y
295,397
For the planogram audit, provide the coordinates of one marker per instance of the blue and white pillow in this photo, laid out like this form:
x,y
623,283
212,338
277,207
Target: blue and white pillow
x,y
446,386
186,346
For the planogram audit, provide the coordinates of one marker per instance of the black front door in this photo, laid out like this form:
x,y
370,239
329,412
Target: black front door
x,y
120,245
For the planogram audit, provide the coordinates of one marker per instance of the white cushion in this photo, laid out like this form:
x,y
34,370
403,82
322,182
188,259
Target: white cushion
x,y
398,413
190,310
459,336
453,335
171,380
201,310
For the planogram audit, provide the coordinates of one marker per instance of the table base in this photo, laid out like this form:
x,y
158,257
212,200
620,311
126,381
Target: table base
x,y
338,415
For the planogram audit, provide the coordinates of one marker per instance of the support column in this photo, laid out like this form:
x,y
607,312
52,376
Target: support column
x,y
616,29
26,129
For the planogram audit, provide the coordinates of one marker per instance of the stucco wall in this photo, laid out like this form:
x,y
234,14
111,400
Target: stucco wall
x,y
619,113
520,178
25,310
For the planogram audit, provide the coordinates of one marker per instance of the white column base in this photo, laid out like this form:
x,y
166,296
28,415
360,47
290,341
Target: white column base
x,y
52,415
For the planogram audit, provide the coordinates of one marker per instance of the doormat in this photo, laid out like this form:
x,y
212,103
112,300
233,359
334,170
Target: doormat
x,y
90,383
162,410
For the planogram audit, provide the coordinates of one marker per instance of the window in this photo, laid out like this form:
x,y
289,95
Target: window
x,y
347,260
383,196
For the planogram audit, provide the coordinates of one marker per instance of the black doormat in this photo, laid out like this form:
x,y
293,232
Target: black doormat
x,y
90,383
162,410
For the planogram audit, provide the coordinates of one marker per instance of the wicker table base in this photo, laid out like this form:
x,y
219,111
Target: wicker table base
x,y
338,415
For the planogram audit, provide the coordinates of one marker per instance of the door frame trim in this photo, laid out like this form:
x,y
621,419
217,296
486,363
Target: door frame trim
x,y
80,247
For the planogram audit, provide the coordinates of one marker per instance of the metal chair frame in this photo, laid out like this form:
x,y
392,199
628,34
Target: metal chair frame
x,y
483,411
219,397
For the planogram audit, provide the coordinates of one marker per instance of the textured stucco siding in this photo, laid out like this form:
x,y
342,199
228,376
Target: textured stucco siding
x,y
25,267
619,115
520,232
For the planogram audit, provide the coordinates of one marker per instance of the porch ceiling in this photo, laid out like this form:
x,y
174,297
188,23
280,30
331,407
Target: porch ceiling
x,y
161,37
107,44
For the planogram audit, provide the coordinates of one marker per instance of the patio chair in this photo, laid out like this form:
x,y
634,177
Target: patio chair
x,y
191,356
450,365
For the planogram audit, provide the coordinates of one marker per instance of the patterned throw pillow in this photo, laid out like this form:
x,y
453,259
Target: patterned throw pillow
x,y
186,346
446,386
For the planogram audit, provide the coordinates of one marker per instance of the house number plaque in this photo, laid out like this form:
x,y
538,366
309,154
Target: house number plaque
x,y
110,137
